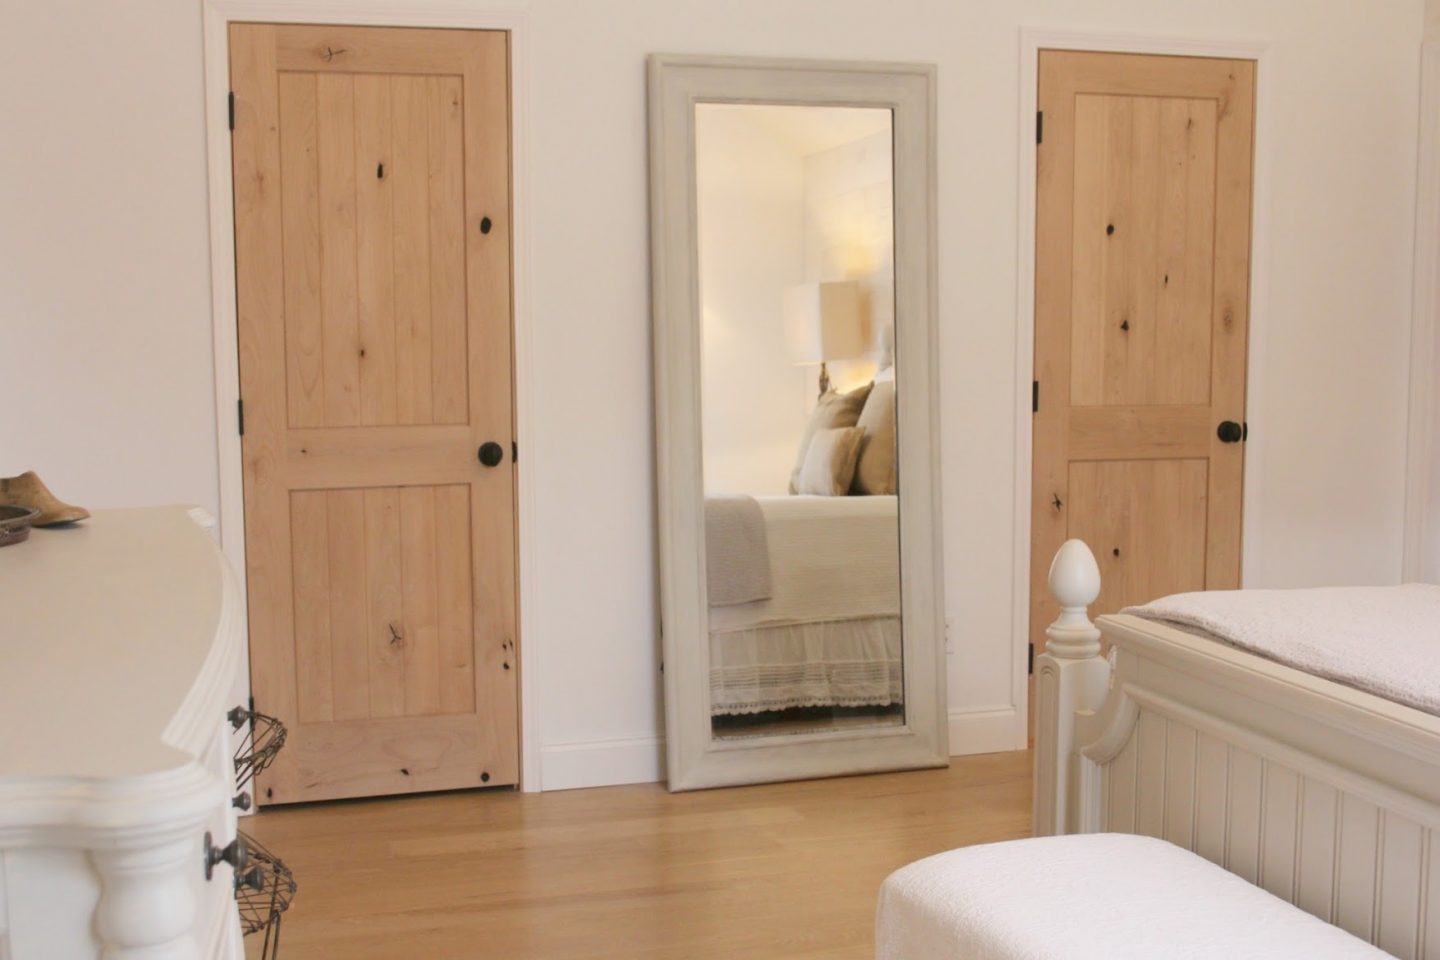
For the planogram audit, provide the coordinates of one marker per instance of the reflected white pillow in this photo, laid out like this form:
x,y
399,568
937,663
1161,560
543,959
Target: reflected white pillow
x,y
832,410
829,465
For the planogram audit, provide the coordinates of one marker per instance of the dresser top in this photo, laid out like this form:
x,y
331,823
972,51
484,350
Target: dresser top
x,y
112,639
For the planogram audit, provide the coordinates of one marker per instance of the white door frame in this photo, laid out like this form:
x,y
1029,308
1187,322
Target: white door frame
x,y
462,14
1032,41
1421,560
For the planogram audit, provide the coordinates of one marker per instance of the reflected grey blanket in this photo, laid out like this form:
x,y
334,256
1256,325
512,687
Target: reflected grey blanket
x,y
737,554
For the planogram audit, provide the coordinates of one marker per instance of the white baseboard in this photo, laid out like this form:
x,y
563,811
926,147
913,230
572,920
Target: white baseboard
x,y
607,763
601,763
990,730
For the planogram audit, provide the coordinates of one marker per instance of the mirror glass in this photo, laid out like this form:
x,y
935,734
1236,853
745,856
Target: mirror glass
x,y
796,241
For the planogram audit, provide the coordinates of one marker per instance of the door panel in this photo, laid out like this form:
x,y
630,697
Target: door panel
x,y
1142,286
414,566
373,287
1140,314
375,304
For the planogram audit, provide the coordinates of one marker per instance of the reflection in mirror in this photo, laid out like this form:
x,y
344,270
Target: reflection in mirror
x,y
795,208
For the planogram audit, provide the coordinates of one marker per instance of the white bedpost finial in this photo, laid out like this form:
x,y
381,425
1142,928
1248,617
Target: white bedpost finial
x,y
1075,582
1070,681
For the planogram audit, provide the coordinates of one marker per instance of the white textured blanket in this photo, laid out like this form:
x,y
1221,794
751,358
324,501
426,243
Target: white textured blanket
x,y
1385,640
1092,897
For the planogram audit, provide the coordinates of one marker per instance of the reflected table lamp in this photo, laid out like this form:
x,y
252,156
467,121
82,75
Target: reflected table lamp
x,y
823,322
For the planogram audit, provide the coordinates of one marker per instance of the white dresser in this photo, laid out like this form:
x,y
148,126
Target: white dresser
x,y
120,639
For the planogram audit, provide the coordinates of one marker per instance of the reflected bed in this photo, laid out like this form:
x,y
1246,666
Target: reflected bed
x,y
828,634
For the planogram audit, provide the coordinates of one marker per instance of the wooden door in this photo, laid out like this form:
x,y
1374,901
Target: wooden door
x,y
372,240
1141,306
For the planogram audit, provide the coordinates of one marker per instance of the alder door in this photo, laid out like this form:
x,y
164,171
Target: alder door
x,y
372,239
1141,306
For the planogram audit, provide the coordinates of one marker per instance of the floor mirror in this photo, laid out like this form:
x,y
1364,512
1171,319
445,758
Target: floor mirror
x,y
793,265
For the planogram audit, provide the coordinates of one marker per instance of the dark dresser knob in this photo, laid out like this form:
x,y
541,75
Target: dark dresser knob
x,y
241,802
254,878
233,853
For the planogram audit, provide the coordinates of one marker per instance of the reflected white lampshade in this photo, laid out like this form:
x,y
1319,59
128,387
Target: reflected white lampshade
x,y
825,321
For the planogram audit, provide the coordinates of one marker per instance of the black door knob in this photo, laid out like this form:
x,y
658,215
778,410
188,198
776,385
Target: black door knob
x,y
1229,432
491,453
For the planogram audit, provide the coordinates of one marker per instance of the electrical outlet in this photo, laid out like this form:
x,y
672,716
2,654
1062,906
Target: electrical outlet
x,y
949,636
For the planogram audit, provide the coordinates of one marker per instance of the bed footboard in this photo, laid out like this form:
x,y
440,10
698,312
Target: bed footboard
x,y
1324,795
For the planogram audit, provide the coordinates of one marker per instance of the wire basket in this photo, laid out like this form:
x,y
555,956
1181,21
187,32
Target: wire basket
x,y
258,748
263,892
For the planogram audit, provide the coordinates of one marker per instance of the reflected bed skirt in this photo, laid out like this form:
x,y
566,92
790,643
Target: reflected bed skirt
x,y
837,663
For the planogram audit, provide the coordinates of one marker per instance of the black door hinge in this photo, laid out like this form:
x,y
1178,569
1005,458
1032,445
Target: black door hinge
x,y
1039,126
514,451
1034,396
232,109
240,416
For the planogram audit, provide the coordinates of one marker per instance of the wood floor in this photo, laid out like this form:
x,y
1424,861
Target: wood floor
x,y
776,871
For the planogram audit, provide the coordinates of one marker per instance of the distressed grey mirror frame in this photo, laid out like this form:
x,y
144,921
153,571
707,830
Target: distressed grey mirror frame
x,y
676,84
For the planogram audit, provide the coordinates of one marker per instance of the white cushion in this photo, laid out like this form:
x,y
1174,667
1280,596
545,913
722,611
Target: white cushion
x,y
829,466
1094,896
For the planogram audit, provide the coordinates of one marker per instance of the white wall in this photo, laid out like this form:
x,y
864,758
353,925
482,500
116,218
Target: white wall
x,y
106,384
1422,519
750,195
104,299
778,206
850,235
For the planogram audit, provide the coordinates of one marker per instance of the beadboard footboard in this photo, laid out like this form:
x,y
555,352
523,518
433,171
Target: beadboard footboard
x,y
1324,795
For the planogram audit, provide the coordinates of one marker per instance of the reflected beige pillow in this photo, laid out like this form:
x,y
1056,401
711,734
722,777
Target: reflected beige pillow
x,y
829,465
875,471
833,410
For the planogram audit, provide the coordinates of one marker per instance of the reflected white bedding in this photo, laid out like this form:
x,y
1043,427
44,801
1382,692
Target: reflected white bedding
x,y
829,634
1384,640
831,558
831,663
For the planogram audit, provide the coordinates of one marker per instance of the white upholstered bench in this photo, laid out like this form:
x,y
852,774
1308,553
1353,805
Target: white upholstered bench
x,y
1094,896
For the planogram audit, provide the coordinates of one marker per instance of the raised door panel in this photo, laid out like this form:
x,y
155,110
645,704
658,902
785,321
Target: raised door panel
x,y
383,587
1144,238
372,177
